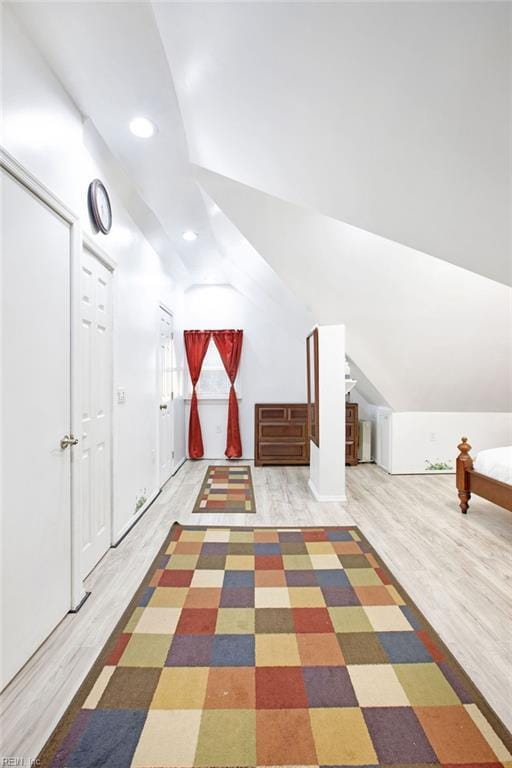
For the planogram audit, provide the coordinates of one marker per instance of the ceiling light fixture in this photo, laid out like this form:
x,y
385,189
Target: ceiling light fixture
x,y
189,235
142,127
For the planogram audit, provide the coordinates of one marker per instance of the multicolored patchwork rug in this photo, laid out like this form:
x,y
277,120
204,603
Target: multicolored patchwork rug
x,y
226,489
275,647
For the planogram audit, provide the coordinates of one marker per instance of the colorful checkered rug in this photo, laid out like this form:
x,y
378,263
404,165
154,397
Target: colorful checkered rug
x,y
226,489
275,647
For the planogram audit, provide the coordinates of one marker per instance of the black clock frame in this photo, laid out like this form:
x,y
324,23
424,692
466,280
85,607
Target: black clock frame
x,y
93,208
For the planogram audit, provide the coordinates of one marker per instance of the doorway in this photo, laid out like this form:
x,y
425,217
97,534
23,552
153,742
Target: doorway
x,y
166,395
37,441
94,450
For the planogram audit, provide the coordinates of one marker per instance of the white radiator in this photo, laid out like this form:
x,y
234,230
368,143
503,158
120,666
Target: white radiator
x,y
365,441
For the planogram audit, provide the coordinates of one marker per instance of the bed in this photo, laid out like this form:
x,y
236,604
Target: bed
x,y
488,476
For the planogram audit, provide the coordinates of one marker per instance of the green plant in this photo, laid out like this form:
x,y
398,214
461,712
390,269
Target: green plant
x,y
437,466
140,503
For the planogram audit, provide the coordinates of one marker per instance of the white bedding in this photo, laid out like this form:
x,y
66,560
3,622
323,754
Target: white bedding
x,y
496,463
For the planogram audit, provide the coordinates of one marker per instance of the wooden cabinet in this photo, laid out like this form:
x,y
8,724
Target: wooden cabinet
x,y
280,433
351,433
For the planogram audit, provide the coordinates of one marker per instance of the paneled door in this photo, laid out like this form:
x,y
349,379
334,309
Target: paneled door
x,y
94,450
36,386
165,384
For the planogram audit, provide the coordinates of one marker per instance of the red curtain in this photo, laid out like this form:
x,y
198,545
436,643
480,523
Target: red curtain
x,y
196,344
229,344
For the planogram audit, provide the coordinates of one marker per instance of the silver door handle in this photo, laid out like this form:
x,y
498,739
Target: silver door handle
x,y
68,440
163,407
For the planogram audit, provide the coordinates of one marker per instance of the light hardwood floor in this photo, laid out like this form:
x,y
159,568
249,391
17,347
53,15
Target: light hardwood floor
x,y
457,569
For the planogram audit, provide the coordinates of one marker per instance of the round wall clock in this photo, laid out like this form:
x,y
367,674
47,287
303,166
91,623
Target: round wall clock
x,y
99,205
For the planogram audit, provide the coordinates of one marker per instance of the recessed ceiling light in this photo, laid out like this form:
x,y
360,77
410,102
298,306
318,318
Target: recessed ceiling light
x,y
189,235
142,127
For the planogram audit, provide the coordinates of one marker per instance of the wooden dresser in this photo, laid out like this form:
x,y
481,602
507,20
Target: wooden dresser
x,y
280,433
351,434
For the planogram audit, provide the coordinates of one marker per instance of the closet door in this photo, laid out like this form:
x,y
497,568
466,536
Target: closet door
x,y
36,470
94,450
165,384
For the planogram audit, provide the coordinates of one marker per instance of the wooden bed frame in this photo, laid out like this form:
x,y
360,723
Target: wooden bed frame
x,y
469,481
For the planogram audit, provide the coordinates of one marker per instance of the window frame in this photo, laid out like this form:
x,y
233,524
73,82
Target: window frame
x,y
201,395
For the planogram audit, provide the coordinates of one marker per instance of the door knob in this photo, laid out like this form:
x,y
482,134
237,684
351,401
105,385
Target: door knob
x,y
68,440
163,407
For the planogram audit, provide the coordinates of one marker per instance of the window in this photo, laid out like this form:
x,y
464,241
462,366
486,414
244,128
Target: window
x,y
213,382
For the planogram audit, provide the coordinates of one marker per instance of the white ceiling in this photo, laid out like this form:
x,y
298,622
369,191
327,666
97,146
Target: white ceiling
x,y
428,335
394,117
110,59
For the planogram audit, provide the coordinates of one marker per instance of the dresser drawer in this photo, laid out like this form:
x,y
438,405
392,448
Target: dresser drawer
x,y
298,413
283,452
281,433
351,413
272,413
351,433
287,430
351,454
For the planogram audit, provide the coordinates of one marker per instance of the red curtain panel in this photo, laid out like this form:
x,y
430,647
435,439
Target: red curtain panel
x,y
229,344
196,344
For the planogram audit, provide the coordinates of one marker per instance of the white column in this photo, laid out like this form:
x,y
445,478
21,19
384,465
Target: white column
x,y
327,461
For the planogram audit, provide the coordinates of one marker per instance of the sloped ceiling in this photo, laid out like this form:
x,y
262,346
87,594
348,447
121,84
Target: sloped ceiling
x,y
329,138
429,335
394,117
254,277
110,60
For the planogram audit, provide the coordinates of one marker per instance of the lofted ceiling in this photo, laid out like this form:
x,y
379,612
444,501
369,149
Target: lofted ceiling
x,y
394,117
428,335
340,162
110,60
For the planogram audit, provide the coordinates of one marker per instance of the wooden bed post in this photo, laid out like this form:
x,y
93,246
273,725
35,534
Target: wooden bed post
x,y
464,463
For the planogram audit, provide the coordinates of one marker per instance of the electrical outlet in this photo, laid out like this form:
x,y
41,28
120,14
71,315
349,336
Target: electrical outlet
x,y
432,437
121,395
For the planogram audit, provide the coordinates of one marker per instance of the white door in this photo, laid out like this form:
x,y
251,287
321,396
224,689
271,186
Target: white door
x,y
36,471
94,450
165,384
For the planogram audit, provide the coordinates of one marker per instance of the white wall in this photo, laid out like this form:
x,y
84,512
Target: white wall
x,y
383,438
424,332
43,130
394,117
403,442
272,367
327,459
417,437
366,412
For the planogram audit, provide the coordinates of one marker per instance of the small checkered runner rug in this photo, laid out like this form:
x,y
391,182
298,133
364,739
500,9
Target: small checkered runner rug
x,y
226,489
275,647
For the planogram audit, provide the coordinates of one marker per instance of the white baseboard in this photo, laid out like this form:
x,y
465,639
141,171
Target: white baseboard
x,y
321,497
223,458
178,466
131,522
424,473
